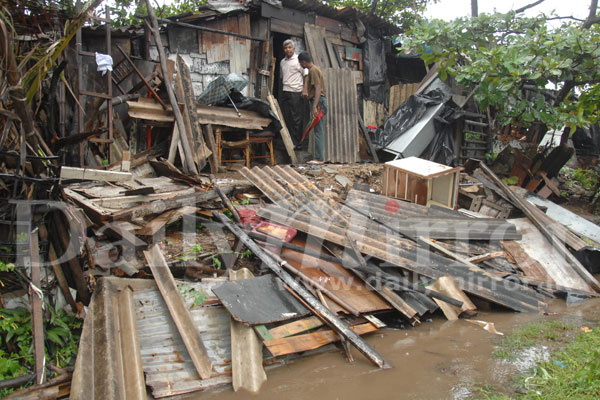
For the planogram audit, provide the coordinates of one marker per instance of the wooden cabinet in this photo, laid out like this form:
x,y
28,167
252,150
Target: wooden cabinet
x,y
421,181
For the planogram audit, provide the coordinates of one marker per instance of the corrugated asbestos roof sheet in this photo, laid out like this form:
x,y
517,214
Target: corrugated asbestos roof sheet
x,y
167,366
344,14
341,144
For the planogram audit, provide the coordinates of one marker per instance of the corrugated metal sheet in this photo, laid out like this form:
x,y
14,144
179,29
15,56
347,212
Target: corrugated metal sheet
x,y
166,364
301,205
346,14
341,144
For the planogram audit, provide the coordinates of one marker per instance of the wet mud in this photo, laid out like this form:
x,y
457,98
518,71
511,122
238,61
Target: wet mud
x,y
437,360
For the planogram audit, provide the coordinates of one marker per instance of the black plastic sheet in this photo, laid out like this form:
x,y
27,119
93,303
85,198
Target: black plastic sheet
x,y
442,148
253,104
406,116
587,141
374,67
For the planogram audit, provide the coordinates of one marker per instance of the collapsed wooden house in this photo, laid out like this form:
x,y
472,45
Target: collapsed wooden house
x,y
231,37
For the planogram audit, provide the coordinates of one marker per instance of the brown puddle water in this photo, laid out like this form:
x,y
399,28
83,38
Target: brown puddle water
x,y
437,360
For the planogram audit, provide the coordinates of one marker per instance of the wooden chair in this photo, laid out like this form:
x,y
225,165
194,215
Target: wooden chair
x,y
246,146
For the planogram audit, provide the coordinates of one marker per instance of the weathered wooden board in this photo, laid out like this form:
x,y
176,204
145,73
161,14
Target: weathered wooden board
x,y
314,37
285,134
337,280
296,327
311,341
152,111
246,351
259,301
94,174
179,311
185,89
165,219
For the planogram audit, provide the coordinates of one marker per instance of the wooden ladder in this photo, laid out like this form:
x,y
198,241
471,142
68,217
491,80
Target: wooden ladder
x,y
477,137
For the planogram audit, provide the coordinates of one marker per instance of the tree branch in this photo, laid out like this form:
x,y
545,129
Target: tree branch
x,y
592,18
528,6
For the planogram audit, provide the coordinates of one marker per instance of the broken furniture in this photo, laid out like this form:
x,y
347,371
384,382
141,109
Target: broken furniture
x,y
246,145
421,182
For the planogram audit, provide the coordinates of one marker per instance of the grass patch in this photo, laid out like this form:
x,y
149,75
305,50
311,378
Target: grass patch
x,y
571,373
546,332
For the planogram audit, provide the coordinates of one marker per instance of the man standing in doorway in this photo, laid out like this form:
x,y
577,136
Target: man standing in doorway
x,y
292,75
315,91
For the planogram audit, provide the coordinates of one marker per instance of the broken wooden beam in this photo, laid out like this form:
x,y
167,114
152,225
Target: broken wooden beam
x,y
528,210
35,295
189,165
285,133
94,174
179,311
311,341
322,311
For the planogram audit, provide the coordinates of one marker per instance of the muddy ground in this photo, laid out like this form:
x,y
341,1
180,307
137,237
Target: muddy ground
x,y
437,360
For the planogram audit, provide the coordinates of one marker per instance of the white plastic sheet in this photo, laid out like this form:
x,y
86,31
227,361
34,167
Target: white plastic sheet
x,y
104,62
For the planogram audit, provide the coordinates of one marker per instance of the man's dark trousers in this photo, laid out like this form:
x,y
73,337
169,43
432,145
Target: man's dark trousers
x,y
291,107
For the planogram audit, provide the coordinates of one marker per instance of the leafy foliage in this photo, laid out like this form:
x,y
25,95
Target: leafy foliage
x,y
16,351
503,55
124,12
403,13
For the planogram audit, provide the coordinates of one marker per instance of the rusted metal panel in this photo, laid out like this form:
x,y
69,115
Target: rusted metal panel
x,y
179,312
341,144
259,301
168,367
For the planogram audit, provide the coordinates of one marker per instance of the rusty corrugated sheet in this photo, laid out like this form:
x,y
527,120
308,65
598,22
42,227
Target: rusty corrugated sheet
x,y
301,205
341,144
167,365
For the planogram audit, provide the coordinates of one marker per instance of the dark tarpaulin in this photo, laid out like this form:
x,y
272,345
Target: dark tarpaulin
x,y
253,104
442,147
587,141
374,67
406,116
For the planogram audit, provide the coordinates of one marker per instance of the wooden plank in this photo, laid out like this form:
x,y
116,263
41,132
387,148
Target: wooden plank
x,y
314,37
335,281
179,311
285,134
530,211
246,351
333,58
531,267
273,263
190,125
164,219
294,328
209,137
37,322
187,91
486,256
311,341
448,286
287,27
189,166
148,110
94,174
